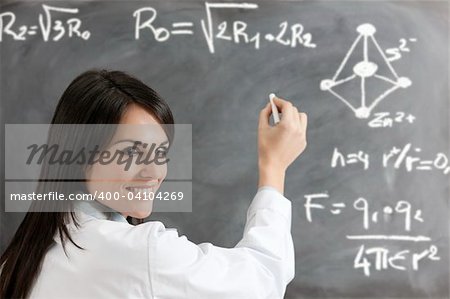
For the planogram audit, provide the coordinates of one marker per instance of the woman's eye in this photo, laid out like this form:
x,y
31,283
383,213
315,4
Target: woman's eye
x,y
131,151
162,152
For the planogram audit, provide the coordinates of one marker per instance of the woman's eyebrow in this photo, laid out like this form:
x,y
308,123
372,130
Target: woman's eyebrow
x,y
137,142
127,140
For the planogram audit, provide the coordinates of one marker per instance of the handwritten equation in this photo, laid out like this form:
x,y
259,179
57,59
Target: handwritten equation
x,y
381,257
237,32
407,157
401,208
378,257
56,23
50,27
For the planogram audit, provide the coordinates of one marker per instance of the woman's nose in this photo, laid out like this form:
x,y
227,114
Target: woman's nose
x,y
153,170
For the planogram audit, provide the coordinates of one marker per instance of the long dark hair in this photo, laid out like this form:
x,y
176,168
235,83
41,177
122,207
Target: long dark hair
x,y
94,97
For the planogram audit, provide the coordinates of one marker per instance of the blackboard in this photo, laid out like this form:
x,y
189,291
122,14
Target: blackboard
x,y
372,185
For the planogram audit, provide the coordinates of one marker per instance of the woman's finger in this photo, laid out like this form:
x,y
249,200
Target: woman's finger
x,y
264,116
286,108
303,121
298,120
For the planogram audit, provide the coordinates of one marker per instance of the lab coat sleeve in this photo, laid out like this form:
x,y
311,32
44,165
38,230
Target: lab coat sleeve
x,y
259,266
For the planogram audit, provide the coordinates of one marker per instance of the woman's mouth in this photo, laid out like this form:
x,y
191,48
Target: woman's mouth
x,y
147,187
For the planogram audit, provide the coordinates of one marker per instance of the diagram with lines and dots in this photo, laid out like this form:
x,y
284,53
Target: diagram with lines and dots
x,y
362,71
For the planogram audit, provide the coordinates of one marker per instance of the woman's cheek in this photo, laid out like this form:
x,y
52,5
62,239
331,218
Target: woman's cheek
x,y
120,172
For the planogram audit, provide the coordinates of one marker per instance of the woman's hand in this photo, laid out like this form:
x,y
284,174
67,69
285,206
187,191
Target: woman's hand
x,y
279,145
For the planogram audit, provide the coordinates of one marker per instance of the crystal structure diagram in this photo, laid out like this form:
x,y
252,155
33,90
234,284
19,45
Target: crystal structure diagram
x,y
362,70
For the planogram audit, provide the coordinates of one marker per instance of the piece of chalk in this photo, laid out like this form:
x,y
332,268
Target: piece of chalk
x,y
276,116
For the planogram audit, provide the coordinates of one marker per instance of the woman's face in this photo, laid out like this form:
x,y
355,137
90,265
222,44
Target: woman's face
x,y
127,181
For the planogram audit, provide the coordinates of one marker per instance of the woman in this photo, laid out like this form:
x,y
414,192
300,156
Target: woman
x,y
94,252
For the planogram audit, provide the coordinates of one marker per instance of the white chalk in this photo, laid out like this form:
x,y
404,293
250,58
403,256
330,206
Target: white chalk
x,y
275,114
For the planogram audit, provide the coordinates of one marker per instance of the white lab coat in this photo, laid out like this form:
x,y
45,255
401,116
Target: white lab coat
x,y
151,261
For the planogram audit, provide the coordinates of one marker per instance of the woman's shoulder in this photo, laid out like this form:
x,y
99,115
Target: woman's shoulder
x,y
111,248
109,244
94,230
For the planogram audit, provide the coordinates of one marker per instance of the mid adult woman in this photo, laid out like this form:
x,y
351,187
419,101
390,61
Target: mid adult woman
x,y
91,252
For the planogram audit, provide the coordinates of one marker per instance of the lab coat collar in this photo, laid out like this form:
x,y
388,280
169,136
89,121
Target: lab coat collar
x,y
95,209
